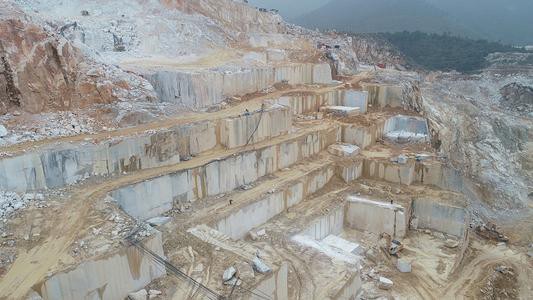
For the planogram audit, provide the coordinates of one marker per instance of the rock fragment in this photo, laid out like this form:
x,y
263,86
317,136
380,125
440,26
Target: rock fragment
x,y
403,265
385,283
229,273
139,295
260,266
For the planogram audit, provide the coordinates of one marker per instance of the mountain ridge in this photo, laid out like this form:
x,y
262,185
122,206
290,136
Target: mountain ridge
x,y
493,20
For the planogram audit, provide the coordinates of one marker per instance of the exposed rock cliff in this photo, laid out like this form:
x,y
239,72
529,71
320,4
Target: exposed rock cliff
x,y
43,71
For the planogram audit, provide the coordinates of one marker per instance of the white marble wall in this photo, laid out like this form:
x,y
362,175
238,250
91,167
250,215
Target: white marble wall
x,y
376,217
331,223
110,277
240,222
255,127
67,163
440,217
219,176
197,89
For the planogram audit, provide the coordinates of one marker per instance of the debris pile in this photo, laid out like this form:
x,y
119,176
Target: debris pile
x,y
10,202
501,284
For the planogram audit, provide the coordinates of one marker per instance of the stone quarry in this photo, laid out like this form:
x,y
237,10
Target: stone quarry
x,y
209,150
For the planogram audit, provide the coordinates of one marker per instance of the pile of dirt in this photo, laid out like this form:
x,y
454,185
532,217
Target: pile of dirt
x,y
502,283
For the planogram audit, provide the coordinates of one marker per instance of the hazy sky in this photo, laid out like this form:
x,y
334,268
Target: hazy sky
x,y
290,8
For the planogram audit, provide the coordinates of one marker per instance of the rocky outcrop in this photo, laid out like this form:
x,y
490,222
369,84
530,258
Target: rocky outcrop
x,y
371,49
230,14
488,145
43,71
517,97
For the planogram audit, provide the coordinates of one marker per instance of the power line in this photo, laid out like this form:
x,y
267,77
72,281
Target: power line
x,y
180,274
256,127
174,270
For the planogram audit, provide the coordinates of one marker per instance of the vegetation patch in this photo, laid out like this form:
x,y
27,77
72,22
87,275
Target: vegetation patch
x,y
444,51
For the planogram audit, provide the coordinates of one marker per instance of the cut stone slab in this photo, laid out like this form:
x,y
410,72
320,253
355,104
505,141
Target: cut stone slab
x,y
341,111
229,273
139,295
344,150
385,283
342,244
260,266
158,221
403,265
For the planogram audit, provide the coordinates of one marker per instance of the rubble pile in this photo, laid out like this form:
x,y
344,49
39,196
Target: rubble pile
x,y
11,202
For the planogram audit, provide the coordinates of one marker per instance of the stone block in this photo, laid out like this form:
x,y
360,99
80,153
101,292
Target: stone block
x,y
385,283
344,150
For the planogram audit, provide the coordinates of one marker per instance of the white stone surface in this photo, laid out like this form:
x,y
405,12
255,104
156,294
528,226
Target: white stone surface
x,y
406,129
3,131
260,267
158,221
69,163
381,95
155,196
255,127
351,170
358,99
363,136
440,217
403,265
238,223
229,273
385,283
389,171
139,295
320,246
342,244
376,217
96,279
330,223
341,111
204,88
344,150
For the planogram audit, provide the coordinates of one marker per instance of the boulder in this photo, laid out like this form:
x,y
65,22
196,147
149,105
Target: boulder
x,y
385,283
154,293
139,295
229,273
403,265
260,266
